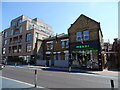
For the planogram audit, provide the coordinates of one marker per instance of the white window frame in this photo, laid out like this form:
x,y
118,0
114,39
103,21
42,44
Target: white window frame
x,y
63,44
67,44
49,45
78,36
86,34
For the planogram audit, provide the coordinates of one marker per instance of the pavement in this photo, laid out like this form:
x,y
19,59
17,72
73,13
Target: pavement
x,y
104,72
49,78
8,83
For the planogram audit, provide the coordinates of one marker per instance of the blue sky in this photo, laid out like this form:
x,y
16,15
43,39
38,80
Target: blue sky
x,y
61,14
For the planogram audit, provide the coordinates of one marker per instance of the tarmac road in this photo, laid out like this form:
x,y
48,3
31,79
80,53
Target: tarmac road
x,y
53,79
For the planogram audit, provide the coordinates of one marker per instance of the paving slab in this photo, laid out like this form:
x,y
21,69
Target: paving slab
x,y
8,83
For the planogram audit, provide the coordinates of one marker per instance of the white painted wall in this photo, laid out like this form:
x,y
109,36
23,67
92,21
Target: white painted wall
x,y
41,62
61,63
57,63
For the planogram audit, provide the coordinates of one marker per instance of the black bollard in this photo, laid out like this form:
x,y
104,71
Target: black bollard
x,y
112,84
35,78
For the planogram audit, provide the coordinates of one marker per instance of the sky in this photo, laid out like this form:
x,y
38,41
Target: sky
x,y
60,15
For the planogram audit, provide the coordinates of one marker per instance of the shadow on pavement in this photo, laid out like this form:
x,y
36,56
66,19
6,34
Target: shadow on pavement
x,y
31,88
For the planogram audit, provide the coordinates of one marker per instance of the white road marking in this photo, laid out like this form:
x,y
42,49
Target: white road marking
x,y
97,75
20,81
87,74
25,67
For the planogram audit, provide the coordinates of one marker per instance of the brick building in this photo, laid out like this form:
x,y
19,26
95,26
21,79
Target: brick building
x,y
82,47
115,56
86,43
19,40
56,49
33,39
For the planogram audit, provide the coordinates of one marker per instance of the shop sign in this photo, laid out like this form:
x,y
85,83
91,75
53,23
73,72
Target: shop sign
x,y
83,46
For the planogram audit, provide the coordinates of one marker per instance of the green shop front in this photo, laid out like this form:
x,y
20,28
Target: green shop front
x,y
86,55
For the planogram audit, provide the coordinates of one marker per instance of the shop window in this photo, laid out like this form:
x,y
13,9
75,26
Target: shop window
x,y
28,47
79,36
86,35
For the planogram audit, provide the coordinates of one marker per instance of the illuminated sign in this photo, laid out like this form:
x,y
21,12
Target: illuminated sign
x,y
83,46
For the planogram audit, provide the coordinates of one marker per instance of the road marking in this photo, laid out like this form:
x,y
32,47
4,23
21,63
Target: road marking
x,y
97,75
20,82
88,74
25,67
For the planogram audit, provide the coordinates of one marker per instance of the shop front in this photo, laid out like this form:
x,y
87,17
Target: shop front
x,y
85,55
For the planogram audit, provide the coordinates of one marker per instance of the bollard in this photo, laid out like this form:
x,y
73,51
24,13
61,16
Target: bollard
x,y
15,64
45,66
35,78
112,83
69,69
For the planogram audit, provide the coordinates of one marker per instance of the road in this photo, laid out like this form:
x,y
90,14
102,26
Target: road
x,y
53,79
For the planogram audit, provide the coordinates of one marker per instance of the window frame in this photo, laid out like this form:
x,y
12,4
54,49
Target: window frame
x,y
5,34
5,41
79,36
3,50
21,29
49,45
62,44
29,37
85,34
28,47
